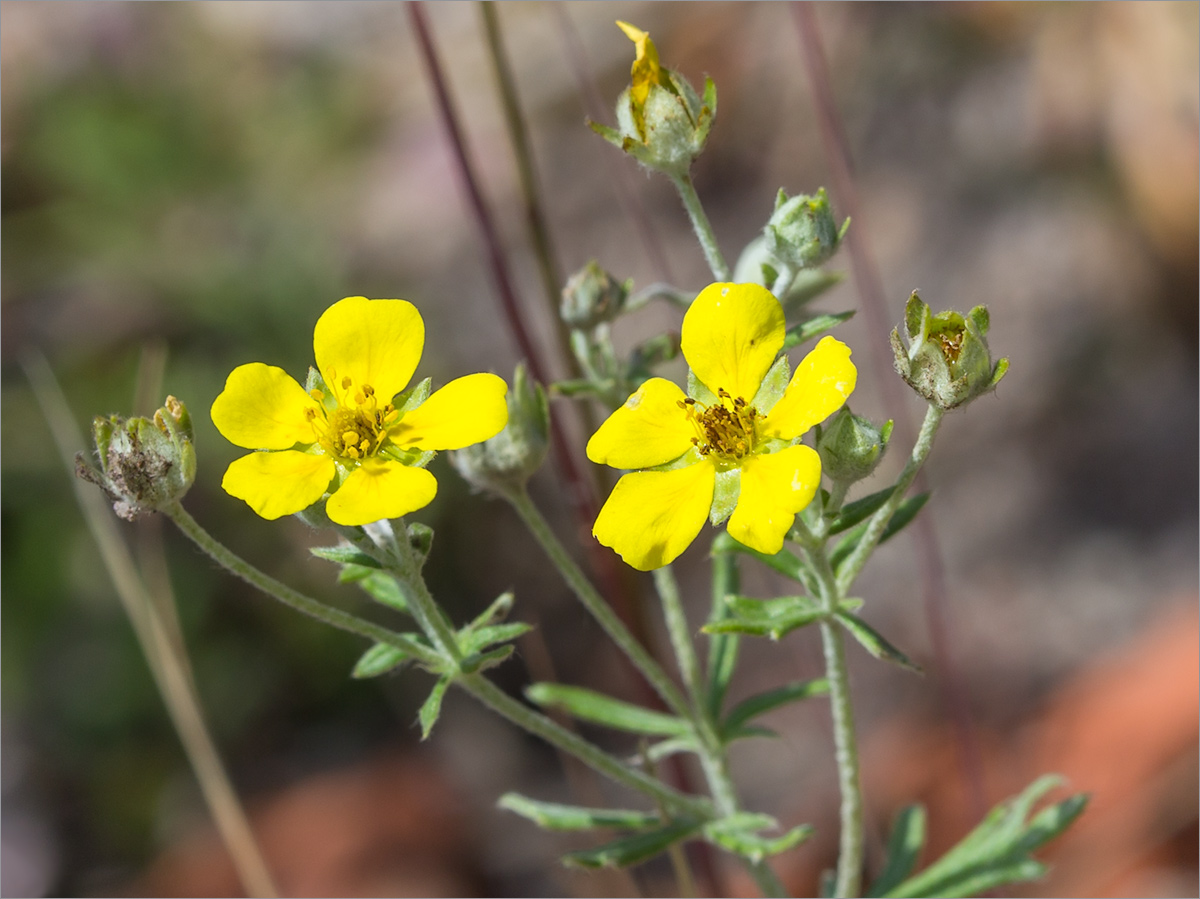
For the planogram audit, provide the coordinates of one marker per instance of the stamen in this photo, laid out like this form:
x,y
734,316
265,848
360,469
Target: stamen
x,y
346,382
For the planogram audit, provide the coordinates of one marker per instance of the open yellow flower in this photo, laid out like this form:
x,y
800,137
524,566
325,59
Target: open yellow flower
x,y
737,431
345,435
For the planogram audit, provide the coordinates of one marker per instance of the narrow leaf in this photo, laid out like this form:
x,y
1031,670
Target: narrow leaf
x,y
633,850
664,748
749,730
432,707
346,555
860,510
482,661
809,284
379,659
497,611
384,589
904,848
752,845
476,640
553,816
873,642
807,330
773,699
588,705
904,514
785,562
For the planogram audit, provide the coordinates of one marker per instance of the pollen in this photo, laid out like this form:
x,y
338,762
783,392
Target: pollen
x,y
358,427
726,428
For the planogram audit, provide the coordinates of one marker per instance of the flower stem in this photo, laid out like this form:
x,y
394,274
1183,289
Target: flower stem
x,y
850,568
236,565
850,847
595,604
681,635
704,231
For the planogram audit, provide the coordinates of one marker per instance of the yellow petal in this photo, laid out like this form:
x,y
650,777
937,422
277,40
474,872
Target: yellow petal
x,y
372,342
646,69
278,484
653,516
774,488
731,335
649,429
262,407
468,410
823,381
378,490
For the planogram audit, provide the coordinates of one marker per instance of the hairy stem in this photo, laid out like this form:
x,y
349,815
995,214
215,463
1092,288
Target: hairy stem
x,y
681,635
704,231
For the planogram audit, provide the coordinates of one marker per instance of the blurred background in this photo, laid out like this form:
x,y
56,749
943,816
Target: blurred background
x,y
188,185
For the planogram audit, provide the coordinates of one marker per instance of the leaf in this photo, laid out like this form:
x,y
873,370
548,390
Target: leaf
x,y
809,329
497,611
482,661
420,538
553,816
379,659
384,589
809,284
860,510
432,707
664,748
344,554
738,836
772,618
773,699
785,562
997,852
904,847
903,515
873,642
476,640
633,850
588,705
750,730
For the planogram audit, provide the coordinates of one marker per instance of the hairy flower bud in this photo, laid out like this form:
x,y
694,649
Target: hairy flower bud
x,y
851,447
662,122
802,232
509,459
947,360
144,464
592,297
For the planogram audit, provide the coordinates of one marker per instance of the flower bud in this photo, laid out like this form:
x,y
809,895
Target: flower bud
x,y
509,459
850,447
661,120
144,464
947,360
802,232
592,297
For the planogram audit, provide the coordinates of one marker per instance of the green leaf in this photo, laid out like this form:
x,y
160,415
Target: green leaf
x,y
809,284
860,510
904,847
749,730
344,554
384,589
736,833
997,852
772,618
773,699
432,707
664,748
903,515
633,850
482,661
553,816
379,659
588,705
497,611
785,562
809,329
476,640
873,642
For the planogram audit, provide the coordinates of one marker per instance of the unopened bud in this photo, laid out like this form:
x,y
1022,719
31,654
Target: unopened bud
x,y
592,297
509,459
802,232
851,447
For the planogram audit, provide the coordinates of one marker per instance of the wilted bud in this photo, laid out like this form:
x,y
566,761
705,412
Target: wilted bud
x,y
802,232
144,464
592,297
850,447
509,459
661,120
947,360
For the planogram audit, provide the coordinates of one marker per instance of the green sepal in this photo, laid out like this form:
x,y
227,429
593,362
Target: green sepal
x,y
314,381
432,707
414,396
901,518
860,510
588,705
819,324
698,391
612,135
380,659
727,487
554,816
379,585
482,661
873,642
633,850
345,555
420,539
904,848
769,273
997,852
737,834
773,385
762,703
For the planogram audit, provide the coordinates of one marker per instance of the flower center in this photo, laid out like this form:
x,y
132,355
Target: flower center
x,y
950,343
726,428
357,427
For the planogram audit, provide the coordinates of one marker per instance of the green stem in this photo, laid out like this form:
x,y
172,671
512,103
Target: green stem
x,y
704,231
236,565
723,648
850,851
595,604
681,635
768,883
853,564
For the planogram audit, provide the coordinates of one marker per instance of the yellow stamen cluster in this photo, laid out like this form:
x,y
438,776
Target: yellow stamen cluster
x,y
726,428
357,427
951,344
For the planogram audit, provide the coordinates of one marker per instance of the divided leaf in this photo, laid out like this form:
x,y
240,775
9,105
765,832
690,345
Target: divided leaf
x,y
772,699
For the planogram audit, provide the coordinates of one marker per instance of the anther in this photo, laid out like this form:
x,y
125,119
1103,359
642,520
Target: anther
x,y
346,382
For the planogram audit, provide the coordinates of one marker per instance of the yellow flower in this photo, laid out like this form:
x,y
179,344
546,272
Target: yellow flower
x,y
346,437
737,431
645,72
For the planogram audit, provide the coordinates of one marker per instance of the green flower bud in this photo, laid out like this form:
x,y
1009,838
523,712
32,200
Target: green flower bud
x,y
592,297
509,459
947,360
802,232
662,121
144,464
850,447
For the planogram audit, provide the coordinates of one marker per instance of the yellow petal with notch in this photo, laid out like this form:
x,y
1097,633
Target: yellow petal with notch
x,y
278,484
262,407
648,430
731,335
378,489
369,342
774,488
468,410
821,384
653,516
